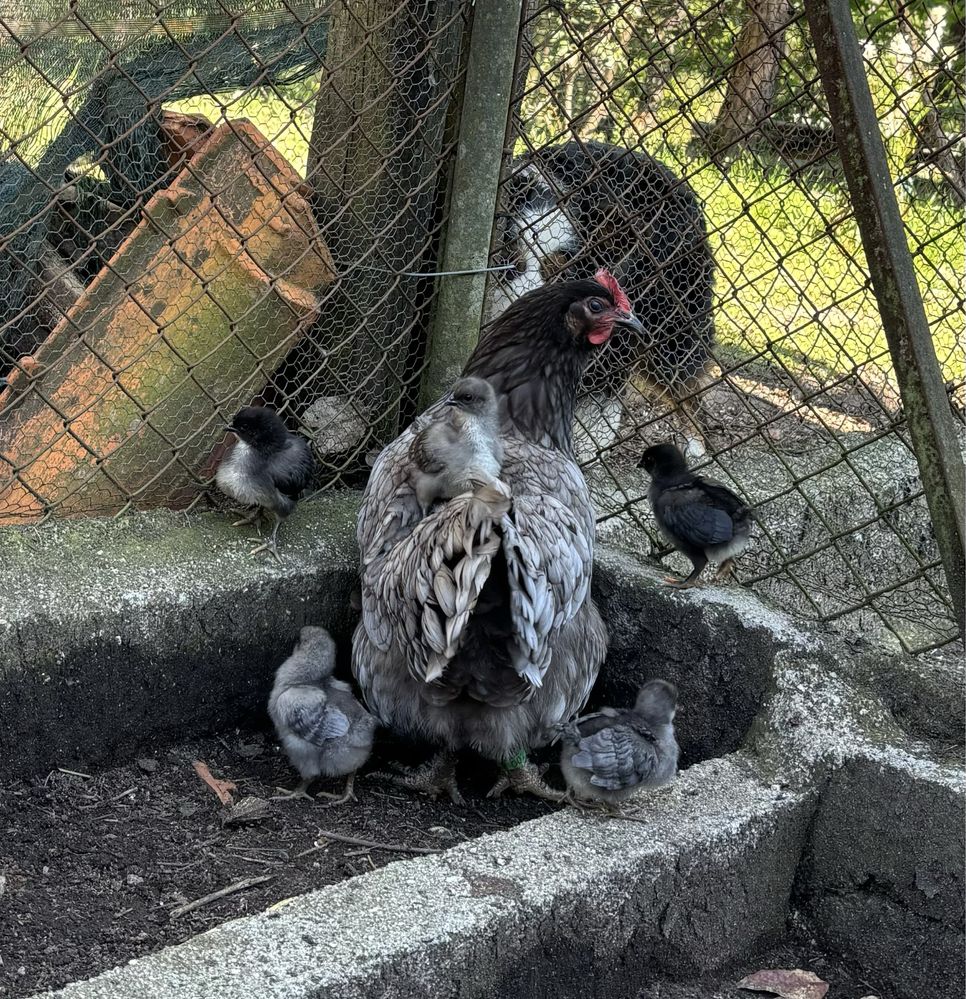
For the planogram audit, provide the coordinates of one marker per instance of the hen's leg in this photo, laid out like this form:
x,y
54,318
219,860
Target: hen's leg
x,y
340,799
725,570
524,778
432,778
302,791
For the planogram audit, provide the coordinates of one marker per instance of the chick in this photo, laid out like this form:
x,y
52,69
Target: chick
x,y
700,517
267,468
461,447
325,731
609,755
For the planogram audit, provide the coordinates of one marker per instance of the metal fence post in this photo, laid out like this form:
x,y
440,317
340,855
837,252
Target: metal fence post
x,y
894,282
473,192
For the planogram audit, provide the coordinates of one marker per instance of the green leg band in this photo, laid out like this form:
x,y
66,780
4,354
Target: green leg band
x,y
514,762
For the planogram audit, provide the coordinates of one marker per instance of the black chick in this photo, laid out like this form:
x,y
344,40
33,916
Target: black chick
x,y
611,754
700,517
267,468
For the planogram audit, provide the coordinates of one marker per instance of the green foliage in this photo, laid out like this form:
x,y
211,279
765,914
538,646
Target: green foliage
x,y
792,283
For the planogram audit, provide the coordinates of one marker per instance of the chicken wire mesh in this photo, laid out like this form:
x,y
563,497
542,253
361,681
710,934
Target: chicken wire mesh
x,y
206,204
687,146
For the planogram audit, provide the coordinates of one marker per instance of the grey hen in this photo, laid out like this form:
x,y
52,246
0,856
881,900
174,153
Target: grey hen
x,y
611,754
325,731
461,447
699,516
478,630
267,468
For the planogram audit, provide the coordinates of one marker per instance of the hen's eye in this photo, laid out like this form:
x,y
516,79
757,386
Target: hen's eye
x,y
596,305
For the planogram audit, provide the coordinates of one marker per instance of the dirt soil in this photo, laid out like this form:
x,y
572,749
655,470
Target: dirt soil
x,y
91,866
802,953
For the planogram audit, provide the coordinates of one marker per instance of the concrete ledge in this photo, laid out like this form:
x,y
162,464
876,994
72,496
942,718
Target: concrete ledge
x,y
884,871
116,633
567,905
159,626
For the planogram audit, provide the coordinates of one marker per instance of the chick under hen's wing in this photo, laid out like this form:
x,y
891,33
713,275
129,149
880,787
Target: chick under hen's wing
x,y
308,713
619,755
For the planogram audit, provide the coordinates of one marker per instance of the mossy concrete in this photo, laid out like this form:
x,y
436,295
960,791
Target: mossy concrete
x,y
116,633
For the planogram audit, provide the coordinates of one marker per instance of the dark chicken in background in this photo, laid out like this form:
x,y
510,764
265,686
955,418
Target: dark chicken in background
x,y
702,518
572,208
611,754
268,468
478,630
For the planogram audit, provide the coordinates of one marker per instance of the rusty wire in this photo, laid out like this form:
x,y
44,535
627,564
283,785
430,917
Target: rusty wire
x,y
679,142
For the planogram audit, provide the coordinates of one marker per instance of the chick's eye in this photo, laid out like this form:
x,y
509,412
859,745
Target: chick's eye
x,y
596,305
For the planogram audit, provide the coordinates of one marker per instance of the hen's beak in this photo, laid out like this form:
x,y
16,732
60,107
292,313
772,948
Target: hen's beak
x,y
629,321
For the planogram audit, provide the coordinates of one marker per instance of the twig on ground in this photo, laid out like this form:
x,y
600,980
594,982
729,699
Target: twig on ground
x,y
74,773
369,843
231,889
222,788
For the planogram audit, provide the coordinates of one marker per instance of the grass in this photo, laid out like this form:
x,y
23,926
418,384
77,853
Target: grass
x,y
791,274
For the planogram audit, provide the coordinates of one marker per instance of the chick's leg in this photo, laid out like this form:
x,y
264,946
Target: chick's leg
x,y
270,546
340,799
725,570
251,518
302,791
523,777
685,584
432,778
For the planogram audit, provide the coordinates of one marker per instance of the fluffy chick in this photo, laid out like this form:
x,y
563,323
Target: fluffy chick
x,y
325,731
700,517
609,755
267,468
460,447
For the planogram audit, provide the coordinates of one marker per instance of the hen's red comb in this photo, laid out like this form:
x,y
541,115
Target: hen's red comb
x,y
604,277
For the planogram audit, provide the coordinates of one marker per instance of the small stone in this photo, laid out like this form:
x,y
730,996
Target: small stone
x,y
134,879
187,808
149,766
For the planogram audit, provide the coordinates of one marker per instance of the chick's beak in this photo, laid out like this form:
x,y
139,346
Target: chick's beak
x,y
629,321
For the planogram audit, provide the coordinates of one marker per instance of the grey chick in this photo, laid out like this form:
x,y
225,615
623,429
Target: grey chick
x,y
461,447
700,517
325,731
609,755
267,468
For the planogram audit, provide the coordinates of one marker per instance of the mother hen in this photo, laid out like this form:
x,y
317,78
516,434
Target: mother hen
x,y
478,629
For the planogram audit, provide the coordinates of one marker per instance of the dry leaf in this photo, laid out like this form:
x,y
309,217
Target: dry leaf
x,y
247,810
787,984
222,788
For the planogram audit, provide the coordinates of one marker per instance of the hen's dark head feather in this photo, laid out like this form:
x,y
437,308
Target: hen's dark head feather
x,y
535,353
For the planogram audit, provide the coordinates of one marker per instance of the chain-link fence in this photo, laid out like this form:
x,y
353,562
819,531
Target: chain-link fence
x,y
688,147
207,204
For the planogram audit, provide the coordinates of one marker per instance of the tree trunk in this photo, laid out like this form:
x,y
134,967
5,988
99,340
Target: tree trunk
x,y
754,74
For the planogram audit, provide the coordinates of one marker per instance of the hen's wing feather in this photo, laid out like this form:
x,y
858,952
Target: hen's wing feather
x,y
422,578
308,713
